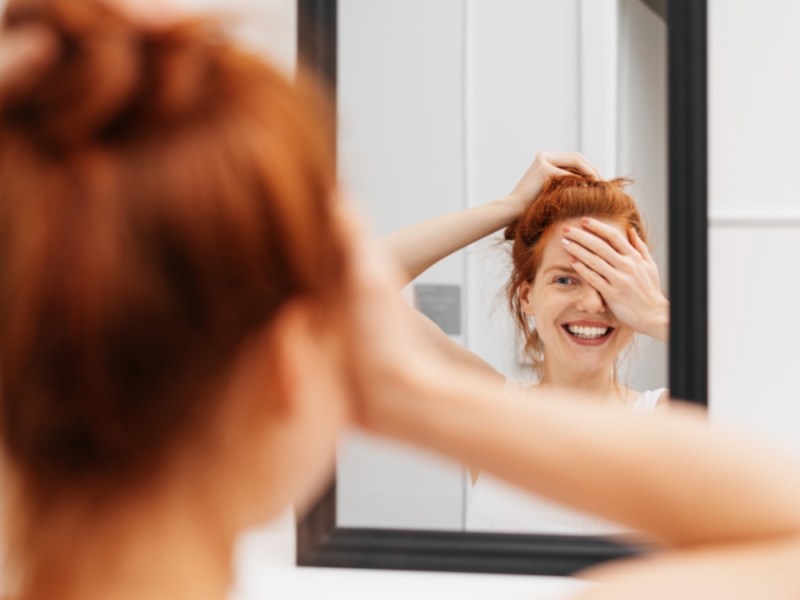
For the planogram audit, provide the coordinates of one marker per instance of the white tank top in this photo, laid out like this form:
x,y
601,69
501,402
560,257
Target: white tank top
x,y
496,506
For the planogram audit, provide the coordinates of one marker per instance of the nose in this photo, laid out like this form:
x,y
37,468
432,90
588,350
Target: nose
x,y
591,301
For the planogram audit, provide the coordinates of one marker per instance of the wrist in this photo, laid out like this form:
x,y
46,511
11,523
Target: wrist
x,y
508,208
658,325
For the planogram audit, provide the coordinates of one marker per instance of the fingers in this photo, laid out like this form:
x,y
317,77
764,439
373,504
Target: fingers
x,y
24,54
574,239
574,160
591,277
612,235
639,244
590,258
150,14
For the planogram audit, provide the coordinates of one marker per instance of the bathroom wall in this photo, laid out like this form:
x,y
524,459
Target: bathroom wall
x,y
754,215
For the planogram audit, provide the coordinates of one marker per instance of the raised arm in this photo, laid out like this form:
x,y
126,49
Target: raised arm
x,y
418,247
672,477
678,481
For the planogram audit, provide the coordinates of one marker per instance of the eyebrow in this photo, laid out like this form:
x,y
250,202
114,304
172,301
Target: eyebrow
x,y
566,268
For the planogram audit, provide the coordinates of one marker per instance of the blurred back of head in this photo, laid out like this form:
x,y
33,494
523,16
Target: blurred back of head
x,y
162,196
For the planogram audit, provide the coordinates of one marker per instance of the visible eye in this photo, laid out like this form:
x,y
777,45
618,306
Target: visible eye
x,y
564,280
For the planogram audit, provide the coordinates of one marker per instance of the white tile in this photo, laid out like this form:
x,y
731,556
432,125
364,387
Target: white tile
x,y
754,92
754,300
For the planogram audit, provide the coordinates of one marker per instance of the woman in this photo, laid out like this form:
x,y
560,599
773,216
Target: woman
x,y
187,320
582,283
564,221
173,285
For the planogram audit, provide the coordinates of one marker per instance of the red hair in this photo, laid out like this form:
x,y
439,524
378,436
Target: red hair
x,y
562,198
164,194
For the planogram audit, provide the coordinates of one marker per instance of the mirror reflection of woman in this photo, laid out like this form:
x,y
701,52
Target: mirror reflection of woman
x,y
284,327
582,283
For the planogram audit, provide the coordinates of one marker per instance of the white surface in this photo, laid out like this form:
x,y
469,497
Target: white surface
x,y
265,569
382,483
400,94
754,282
755,295
599,83
754,95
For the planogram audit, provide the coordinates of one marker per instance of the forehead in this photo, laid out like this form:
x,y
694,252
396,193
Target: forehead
x,y
553,252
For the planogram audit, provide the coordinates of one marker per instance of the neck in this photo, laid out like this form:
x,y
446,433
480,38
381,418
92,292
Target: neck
x,y
600,383
158,547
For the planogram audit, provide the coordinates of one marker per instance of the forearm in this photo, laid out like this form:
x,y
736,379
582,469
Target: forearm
x,y
672,478
418,247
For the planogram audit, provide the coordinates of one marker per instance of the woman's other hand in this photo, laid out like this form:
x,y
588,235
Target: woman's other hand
x,y
622,270
544,166
28,50
24,54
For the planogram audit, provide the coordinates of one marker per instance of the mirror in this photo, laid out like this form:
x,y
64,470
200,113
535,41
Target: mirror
x,y
442,106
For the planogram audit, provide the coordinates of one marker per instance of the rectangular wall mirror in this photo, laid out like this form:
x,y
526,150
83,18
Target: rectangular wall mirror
x,y
441,107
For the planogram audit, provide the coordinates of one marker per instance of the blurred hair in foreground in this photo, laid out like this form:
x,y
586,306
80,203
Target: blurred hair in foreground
x,y
163,195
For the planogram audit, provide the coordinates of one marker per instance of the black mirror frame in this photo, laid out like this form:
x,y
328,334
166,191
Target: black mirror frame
x,y
321,543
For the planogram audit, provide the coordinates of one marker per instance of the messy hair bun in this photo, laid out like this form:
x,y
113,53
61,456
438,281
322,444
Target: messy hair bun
x,y
110,74
163,194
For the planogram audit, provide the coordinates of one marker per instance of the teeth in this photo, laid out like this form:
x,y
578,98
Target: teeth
x,y
587,333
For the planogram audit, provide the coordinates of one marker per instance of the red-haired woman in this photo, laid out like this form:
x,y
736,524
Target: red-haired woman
x,y
187,319
173,284
582,283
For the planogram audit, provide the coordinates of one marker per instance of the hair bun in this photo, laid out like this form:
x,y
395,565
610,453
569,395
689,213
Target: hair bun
x,y
108,69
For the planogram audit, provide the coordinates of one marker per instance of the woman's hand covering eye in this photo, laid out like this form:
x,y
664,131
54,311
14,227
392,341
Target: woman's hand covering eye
x,y
622,270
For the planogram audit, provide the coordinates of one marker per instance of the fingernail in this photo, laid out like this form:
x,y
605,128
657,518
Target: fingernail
x,y
586,220
566,229
564,242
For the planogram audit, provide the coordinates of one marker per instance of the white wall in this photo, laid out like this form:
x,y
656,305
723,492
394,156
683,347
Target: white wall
x,y
754,209
400,93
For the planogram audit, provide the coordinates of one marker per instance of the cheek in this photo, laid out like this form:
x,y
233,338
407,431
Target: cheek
x,y
547,305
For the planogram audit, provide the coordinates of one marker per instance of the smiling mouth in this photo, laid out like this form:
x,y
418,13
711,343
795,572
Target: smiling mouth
x,y
583,333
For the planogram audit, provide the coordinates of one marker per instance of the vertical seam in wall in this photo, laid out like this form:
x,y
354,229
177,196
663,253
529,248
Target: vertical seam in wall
x,y
579,71
622,25
466,138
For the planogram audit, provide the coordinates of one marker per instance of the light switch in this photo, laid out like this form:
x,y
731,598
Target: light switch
x,y
441,303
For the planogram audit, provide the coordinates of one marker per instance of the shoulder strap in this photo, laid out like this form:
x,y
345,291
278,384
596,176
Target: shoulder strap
x,y
646,402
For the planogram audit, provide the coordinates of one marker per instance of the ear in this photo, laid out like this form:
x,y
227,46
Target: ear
x,y
292,351
525,297
274,364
